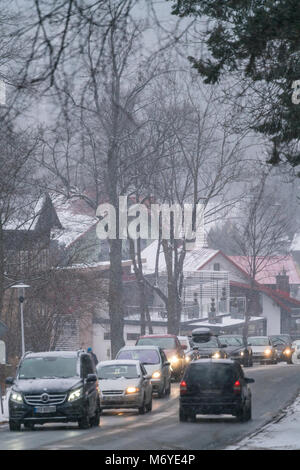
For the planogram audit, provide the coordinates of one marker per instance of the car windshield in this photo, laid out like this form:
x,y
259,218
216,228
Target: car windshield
x,y
258,341
280,339
161,342
48,367
146,356
211,343
210,375
231,340
116,371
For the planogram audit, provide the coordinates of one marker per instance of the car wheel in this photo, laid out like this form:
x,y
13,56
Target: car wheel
x,y
14,426
248,414
162,393
182,415
84,422
95,420
242,413
149,406
29,426
142,409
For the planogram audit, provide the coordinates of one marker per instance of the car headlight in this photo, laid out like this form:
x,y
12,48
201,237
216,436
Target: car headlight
x,y
16,397
75,394
287,351
242,353
268,351
187,358
156,375
216,355
131,390
174,360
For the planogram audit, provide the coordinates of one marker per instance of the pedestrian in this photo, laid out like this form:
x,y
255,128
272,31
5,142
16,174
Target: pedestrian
x,y
89,350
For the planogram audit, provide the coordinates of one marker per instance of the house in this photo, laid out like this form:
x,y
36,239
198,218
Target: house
x,y
225,280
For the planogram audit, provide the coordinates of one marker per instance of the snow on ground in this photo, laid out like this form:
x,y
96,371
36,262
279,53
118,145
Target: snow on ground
x,y
4,415
281,434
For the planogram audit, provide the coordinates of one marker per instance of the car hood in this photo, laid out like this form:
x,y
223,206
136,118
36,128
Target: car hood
x,y
170,353
150,368
203,350
37,386
260,348
234,349
118,384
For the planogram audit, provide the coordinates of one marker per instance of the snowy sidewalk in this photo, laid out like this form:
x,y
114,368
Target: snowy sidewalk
x,y
4,415
281,434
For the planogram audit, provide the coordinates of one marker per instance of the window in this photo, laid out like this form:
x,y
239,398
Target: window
x,y
216,266
107,336
132,336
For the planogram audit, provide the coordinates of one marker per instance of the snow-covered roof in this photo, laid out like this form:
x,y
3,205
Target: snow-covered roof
x,y
295,246
75,216
270,267
226,321
193,259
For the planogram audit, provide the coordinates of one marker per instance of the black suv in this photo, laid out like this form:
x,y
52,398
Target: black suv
x,y
52,387
215,387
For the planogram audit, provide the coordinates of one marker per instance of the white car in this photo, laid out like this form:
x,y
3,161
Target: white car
x,y
262,350
296,353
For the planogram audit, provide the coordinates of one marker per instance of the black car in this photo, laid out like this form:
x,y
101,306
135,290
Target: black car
x,y
236,349
215,387
207,345
52,387
283,345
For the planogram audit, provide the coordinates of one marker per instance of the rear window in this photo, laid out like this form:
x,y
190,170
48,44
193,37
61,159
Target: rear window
x,y
209,375
164,343
146,356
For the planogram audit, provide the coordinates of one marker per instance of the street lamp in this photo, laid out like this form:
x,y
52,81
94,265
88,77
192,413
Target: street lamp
x,y
21,288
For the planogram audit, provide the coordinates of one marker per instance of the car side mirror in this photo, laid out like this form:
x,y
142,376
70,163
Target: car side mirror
x,y
9,380
223,345
147,377
167,363
184,346
195,348
91,378
249,381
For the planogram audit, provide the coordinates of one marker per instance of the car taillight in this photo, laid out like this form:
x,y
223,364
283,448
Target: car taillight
x,y
183,387
237,387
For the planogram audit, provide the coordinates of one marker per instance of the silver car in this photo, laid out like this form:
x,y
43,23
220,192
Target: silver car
x,y
124,384
156,364
262,350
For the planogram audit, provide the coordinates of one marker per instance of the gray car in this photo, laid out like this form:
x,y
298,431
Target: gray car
x,y
156,364
124,384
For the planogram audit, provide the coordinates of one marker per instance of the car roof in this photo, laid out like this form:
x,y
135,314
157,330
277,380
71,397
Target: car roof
x,y
213,361
141,347
119,361
239,336
158,336
53,354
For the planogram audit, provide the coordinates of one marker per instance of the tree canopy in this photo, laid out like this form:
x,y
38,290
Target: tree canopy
x,y
258,41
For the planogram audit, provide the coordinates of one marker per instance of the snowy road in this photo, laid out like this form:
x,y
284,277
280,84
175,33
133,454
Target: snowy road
x,y
274,387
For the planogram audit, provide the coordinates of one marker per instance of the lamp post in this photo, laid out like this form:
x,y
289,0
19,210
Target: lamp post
x,y
21,288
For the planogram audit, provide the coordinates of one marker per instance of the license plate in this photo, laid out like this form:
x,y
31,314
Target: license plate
x,y
45,409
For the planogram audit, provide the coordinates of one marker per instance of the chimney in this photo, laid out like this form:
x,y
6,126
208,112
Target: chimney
x,y
282,282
